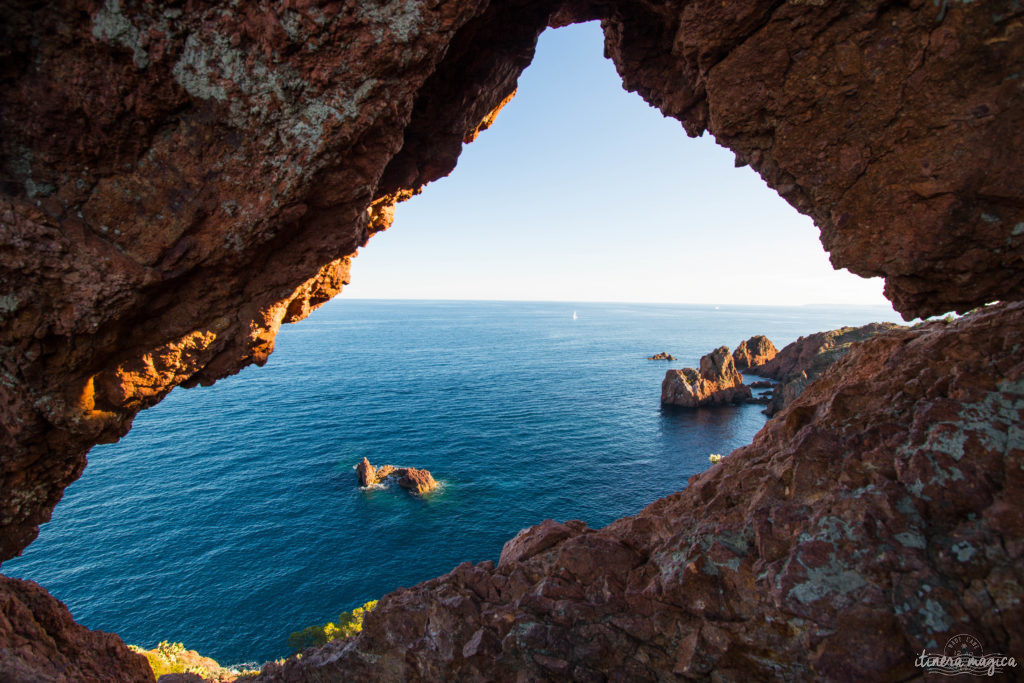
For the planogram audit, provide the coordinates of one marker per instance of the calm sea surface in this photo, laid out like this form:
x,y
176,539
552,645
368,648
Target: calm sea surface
x,y
230,515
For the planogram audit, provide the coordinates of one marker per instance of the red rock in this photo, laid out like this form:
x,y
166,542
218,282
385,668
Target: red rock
x,y
803,361
366,472
717,383
757,350
39,641
417,481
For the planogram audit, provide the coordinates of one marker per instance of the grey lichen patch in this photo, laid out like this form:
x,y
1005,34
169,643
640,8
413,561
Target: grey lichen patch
x,y
34,189
936,619
401,18
829,529
825,581
963,551
9,303
911,539
192,70
110,26
1018,229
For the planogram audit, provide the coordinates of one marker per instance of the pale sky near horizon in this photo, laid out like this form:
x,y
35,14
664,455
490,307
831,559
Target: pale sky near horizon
x,y
582,192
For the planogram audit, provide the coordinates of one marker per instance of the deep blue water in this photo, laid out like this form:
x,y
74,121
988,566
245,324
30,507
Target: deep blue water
x,y
230,515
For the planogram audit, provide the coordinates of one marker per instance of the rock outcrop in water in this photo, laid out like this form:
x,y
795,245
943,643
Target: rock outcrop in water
x,y
178,180
803,361
834,547
757,350
409,478
664,355
716,383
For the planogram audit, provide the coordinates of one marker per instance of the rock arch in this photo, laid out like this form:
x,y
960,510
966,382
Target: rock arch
x,y
180,179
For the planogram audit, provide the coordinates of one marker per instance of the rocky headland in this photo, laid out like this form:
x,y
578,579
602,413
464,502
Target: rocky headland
x,y
409,478
178,180
803,361
716,383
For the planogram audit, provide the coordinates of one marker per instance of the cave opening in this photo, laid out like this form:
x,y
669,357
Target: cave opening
x,y
656,237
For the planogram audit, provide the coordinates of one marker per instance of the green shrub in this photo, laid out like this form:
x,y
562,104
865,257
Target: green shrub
x,y
348,624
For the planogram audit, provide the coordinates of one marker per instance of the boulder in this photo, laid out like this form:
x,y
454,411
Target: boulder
x,y
417,481
716,383
757,350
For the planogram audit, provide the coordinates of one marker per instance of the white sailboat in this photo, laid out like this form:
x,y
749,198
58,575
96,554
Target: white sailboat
x,y
574,316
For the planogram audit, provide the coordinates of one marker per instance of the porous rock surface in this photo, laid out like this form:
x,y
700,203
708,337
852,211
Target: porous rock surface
x,y
41,643
876,517
757,350
716,383
801,362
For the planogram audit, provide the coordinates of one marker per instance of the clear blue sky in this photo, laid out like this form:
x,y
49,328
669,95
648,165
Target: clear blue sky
x,y
582,192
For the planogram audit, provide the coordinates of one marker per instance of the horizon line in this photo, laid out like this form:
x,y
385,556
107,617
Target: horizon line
x,y
342,295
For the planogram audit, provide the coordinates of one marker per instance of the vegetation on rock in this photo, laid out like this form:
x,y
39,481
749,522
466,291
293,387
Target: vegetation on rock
x,y
348,624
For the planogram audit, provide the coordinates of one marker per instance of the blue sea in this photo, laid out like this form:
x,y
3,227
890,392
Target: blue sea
x,y
230,516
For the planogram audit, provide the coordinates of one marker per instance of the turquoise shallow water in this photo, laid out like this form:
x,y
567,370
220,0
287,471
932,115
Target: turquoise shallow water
x,y
230,515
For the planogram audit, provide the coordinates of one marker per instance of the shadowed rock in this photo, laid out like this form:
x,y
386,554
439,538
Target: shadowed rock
x,y
39,641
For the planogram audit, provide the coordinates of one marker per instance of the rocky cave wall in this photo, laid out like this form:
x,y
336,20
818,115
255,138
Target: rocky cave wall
x,y
178,179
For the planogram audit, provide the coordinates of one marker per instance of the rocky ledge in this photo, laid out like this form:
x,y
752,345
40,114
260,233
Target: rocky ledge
x,y
716,383
874,518
803,361
409,478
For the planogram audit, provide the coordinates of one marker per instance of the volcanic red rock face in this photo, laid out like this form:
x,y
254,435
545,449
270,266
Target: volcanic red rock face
x,y
180,180
757,350
39,641
717,383
877,516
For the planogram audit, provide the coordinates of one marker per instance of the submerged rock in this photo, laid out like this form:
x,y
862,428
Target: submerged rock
x,y
757,350
409,478
716,383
